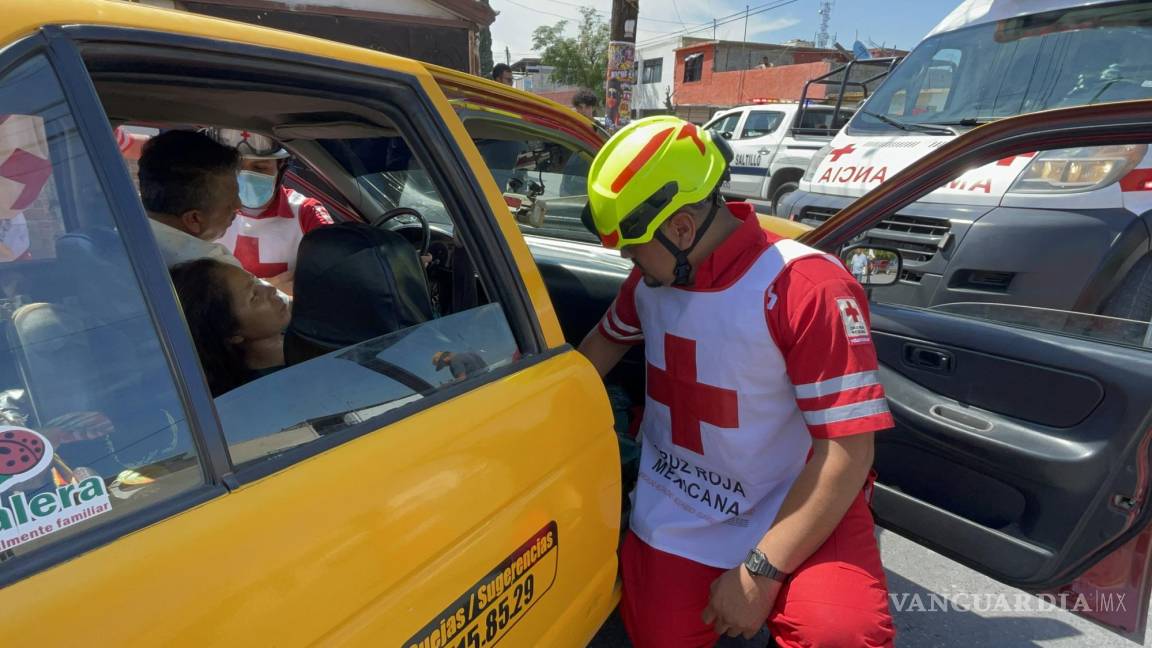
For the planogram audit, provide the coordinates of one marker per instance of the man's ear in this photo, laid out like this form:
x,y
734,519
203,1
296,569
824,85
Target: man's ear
x,y
193,221
682,229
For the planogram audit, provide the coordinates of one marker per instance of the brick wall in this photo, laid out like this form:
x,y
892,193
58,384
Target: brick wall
x,y
728,89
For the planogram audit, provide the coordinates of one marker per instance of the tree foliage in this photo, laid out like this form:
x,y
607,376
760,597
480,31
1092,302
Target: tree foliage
x,y
484,44
580,60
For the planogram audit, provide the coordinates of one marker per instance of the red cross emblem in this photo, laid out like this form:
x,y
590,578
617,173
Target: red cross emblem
x,y
244,135
690,402
836,153
851,312
248,250
27,169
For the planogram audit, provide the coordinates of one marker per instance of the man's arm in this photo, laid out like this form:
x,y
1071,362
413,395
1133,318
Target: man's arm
x,y
819,498
617,330
603,353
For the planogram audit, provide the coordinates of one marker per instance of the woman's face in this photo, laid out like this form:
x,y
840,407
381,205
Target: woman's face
x,y
259,310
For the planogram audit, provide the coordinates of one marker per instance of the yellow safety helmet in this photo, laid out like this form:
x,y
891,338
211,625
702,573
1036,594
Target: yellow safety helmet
x,y
646,172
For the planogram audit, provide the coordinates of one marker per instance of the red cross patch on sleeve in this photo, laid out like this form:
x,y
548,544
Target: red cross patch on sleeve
x,y
855,328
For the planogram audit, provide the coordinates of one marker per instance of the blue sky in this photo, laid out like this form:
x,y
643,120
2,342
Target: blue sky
x,y
895,23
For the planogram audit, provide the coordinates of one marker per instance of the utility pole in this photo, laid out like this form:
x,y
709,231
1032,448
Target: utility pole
x,y
621,73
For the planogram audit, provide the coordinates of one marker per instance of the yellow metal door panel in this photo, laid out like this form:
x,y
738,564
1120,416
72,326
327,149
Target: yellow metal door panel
x,y
376,539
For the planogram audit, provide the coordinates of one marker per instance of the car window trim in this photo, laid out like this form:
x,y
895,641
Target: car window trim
x,y
21,567
144,256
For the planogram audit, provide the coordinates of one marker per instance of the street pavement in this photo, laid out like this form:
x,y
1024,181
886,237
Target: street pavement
x,y
916,572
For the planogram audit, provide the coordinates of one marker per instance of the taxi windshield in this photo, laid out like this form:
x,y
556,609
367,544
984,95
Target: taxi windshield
x,y
1057,59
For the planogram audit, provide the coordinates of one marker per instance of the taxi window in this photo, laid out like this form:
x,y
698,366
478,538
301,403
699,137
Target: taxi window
x,y
372,326
544,179
91,426
545,184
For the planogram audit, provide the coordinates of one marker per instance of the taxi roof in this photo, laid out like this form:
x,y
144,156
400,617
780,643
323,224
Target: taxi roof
x,y
978,12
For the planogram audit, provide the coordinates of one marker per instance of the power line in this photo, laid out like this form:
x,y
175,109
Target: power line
x,y
569,4
727,19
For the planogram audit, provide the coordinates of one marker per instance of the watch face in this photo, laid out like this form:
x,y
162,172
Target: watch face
x,y
756,563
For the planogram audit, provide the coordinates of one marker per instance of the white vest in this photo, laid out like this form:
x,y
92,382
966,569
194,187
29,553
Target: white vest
x,y
716,374
278,234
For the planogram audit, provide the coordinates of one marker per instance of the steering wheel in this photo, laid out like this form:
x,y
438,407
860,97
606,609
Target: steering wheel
x,y
425,231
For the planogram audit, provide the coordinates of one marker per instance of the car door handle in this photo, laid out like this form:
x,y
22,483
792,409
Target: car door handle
x,y
930,359
959,417
763,151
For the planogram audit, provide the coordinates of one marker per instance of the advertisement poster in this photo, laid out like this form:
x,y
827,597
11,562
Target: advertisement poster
x,y
621,77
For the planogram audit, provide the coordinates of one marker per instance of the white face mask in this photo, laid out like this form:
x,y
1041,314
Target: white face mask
x,y
256,189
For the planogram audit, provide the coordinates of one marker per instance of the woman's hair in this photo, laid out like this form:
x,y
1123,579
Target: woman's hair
x,y
207,308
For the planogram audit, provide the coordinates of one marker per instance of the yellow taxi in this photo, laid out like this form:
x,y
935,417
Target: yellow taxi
x,y
373,494
435,466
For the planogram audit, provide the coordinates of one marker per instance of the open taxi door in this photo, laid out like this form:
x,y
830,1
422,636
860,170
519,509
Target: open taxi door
x,y
1021,446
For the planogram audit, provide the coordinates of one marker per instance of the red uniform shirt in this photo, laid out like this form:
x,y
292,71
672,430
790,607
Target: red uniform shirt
x,y
817,315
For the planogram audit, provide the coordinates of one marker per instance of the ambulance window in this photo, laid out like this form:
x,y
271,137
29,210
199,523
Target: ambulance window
x,y
373,332
1049,255
91,426
760,123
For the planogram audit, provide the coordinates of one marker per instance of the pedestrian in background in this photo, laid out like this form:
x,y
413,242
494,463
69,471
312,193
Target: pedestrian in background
x,y
585,102
502,72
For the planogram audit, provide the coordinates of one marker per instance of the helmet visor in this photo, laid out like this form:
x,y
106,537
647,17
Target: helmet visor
x,y
249,144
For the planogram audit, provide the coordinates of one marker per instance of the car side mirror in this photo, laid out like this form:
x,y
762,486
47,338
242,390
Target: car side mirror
x,y
726,134
872,265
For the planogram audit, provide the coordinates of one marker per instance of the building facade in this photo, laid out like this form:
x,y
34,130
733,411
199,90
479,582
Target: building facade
x,y
444,32
711,75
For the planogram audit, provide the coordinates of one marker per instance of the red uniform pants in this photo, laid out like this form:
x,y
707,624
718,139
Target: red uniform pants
x,y
838,597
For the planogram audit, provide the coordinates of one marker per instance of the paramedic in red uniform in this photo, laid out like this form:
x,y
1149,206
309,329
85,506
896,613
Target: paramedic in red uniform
x,y
273,219
762,401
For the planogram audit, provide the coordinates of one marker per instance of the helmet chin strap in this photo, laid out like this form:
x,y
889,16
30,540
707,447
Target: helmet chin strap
x,y
683,270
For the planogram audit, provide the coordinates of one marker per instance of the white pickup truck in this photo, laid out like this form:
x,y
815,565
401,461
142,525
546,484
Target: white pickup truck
x,y
772,149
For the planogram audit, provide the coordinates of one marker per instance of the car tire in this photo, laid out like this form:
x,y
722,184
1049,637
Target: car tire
x,y
781,191
1133,299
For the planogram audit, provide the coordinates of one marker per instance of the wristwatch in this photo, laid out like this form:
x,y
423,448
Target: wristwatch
x,y
757,565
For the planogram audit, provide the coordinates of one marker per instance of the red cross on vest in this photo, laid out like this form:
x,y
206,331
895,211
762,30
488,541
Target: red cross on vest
x,y
689,402
248,247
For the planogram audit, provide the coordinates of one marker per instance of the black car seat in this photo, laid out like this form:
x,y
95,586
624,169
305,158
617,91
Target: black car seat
x,y
354,282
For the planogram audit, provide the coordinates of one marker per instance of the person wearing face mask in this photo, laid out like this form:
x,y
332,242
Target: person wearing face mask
x,y
273,218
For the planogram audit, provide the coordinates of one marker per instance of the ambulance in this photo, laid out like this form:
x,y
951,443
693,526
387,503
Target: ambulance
x,y
987,60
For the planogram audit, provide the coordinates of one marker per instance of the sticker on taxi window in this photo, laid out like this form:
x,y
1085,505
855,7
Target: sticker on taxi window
x,y
40,509
484,614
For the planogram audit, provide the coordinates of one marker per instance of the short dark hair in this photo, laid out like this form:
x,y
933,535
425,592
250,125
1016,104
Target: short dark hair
x,y
176,170
208,310
585,97
499,69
